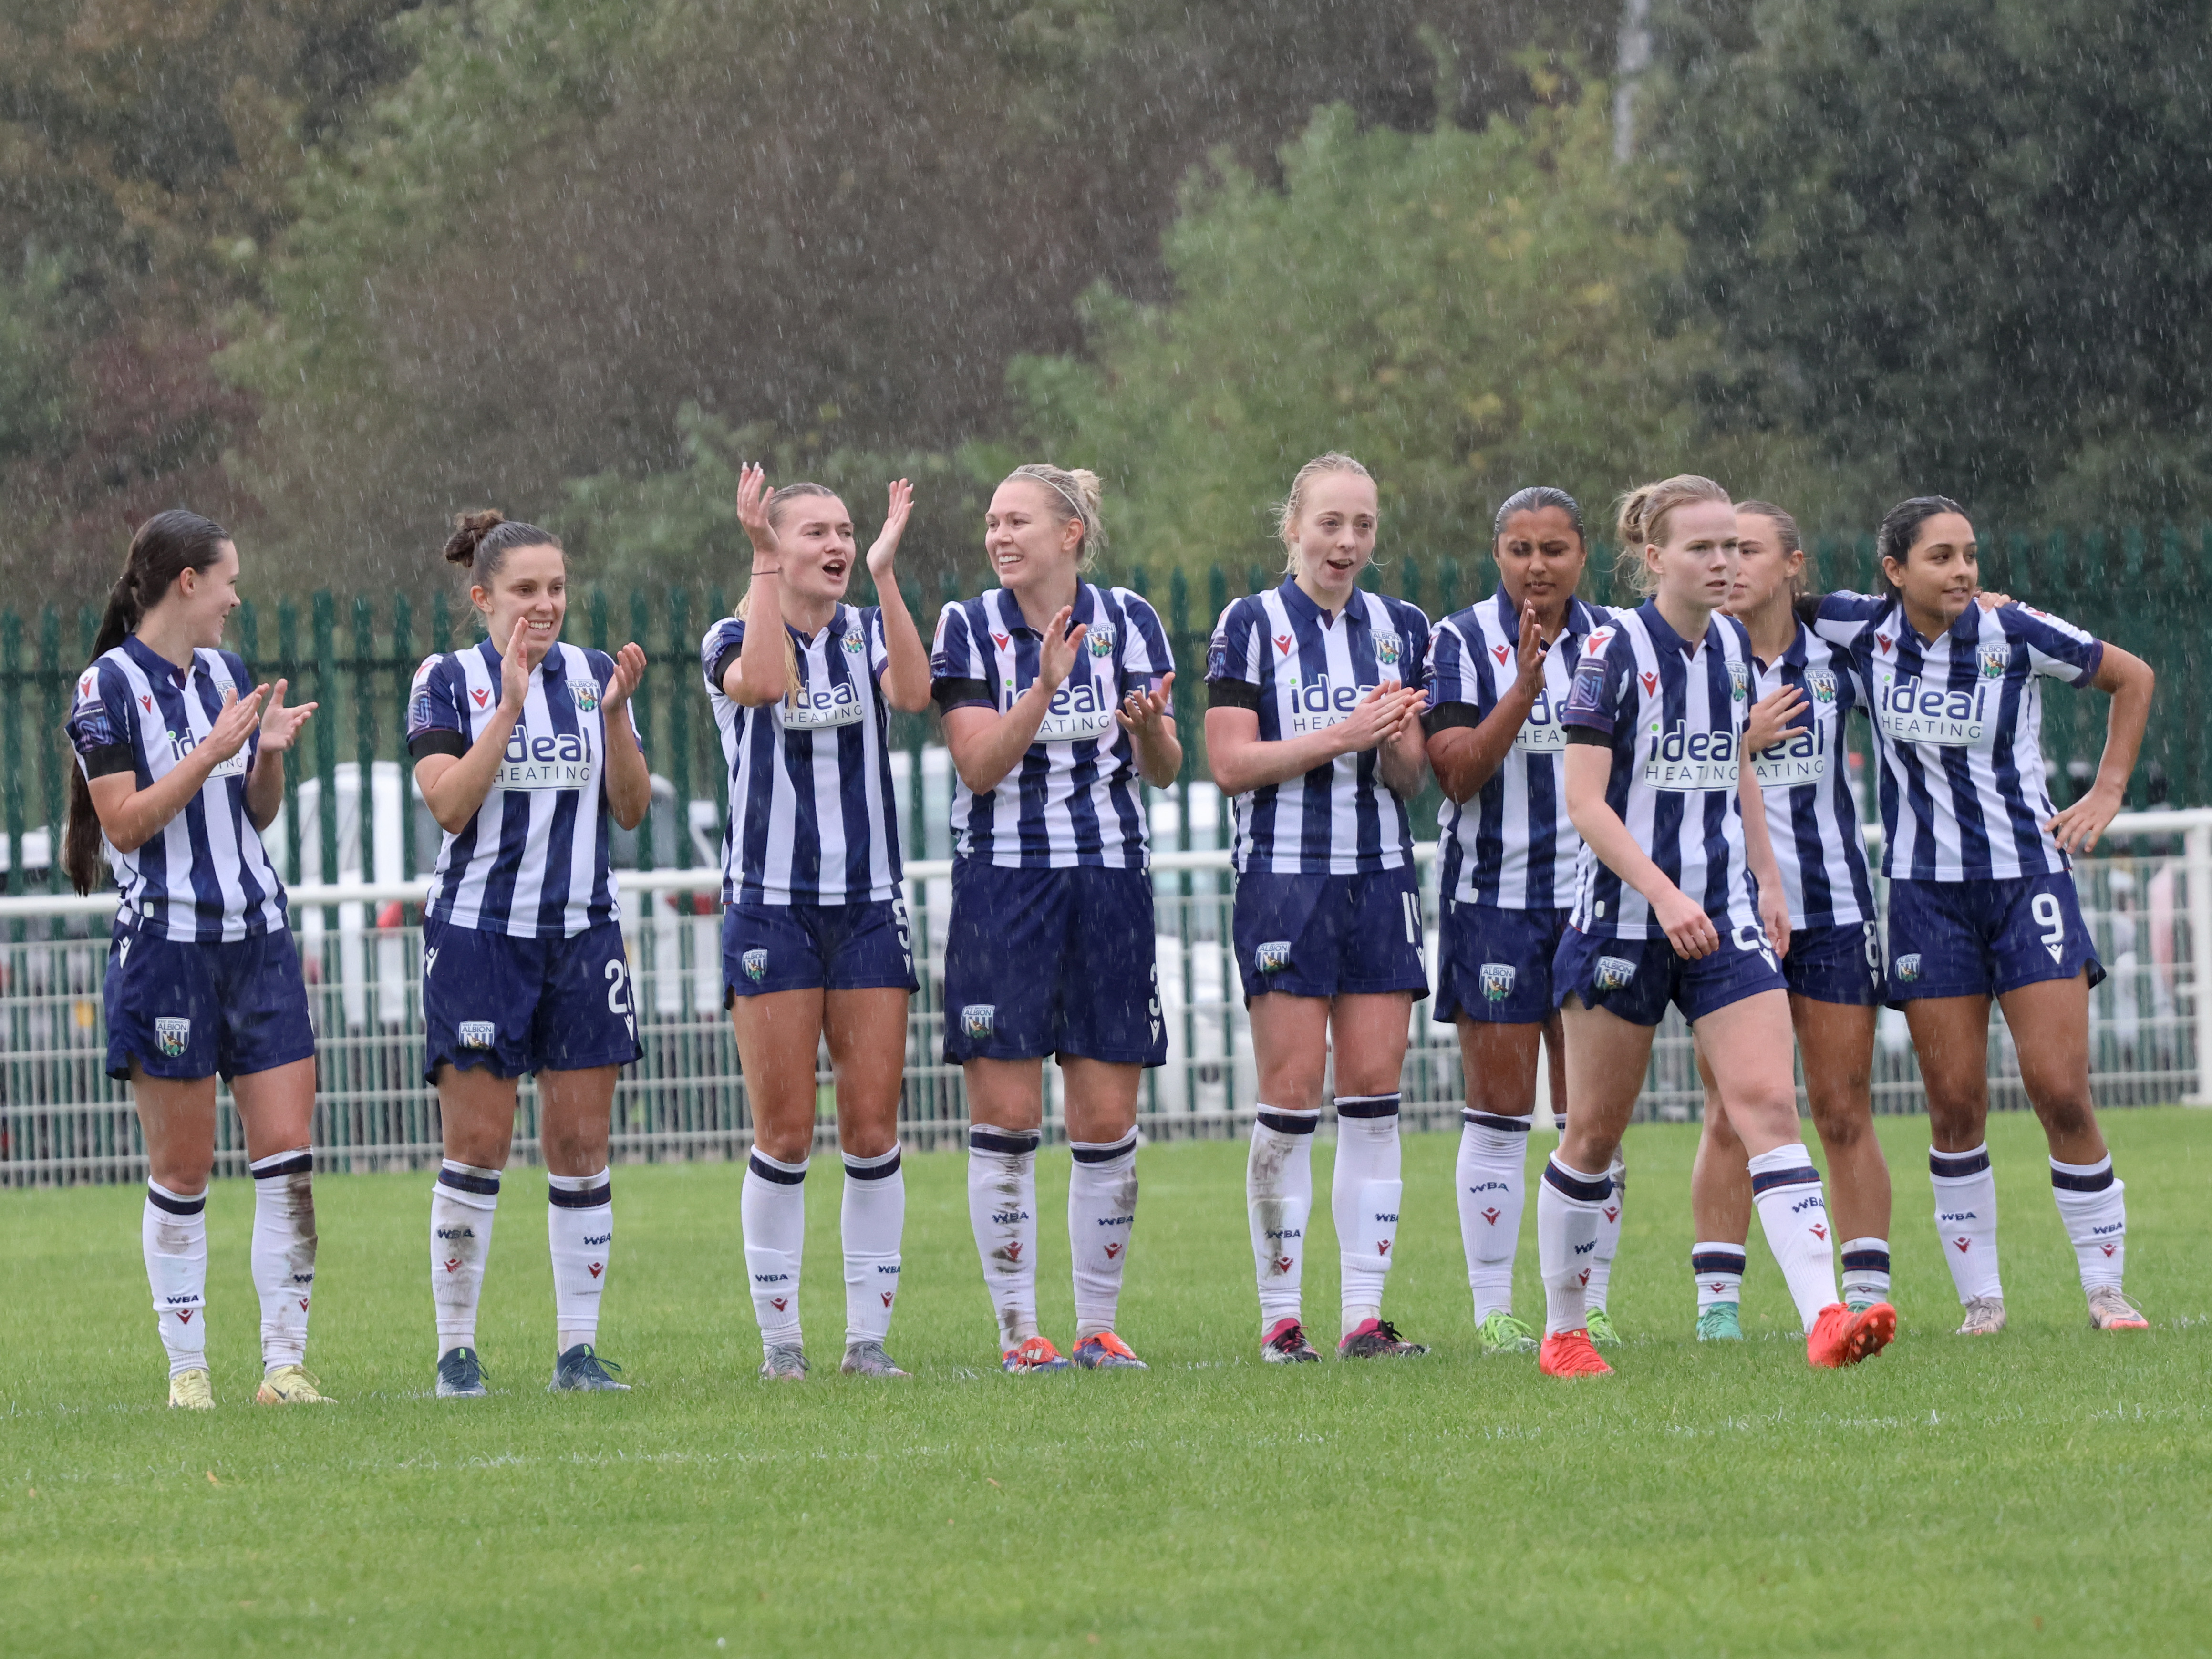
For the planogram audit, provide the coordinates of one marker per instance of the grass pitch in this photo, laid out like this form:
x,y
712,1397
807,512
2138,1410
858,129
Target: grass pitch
x,y
2047,1490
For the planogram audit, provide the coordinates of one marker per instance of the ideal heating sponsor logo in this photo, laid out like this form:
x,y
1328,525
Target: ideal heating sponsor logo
x,y
1914,711
546,759
1315,702
1800,759
1687,762
1541,733
817,708
182,744
1080,710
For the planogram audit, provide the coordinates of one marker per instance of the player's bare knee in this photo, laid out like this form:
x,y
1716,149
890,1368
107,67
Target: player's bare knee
x,y
2067,1114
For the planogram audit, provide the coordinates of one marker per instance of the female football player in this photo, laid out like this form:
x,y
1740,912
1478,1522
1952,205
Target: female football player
x,y
1677,899
1056,696
179,768
1499,673
1806,690
1313,724
1982,904
524,747
814,934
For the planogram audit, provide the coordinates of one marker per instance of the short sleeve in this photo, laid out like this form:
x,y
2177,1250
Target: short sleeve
x,y
1594,695
959,677
434,725
1414,629
100,724
1146,655
878,643
603,669
1233,652
2056,648
720,648
1841,618
1453,674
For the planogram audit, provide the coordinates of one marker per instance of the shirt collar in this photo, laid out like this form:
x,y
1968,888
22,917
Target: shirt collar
x,y
553,664
157,666
1296,601
1663,631
1581,617
1010,608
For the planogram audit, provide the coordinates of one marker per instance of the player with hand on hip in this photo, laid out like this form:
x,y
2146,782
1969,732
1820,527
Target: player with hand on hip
x,y
1498,674
1056,696
1314,725
179,768
1982,903
524,747
815,946
1677,899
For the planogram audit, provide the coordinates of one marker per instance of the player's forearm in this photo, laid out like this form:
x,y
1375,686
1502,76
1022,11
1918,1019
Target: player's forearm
x,y
1465,758
1160,756
1601,830
1758,844
630,780
454,793
763,672
986,749
265,788
1242,763
144,813
1401,761
2133,684
906,676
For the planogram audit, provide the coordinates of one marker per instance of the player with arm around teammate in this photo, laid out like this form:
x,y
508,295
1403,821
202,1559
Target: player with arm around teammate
x,y
1677,899
179,768
1312,726
1055,694
1981,902
1805,690
815,945
1498,674
524,748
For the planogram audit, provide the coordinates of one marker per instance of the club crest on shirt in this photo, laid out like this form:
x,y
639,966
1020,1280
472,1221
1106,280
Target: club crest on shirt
x,y
1821,683
755,965
1739,681
855,641
1994,660
1100,639
1497,981
586,694
1389,647
1273,956
979,1019
172,1035
1906,967
1614,973
478,1033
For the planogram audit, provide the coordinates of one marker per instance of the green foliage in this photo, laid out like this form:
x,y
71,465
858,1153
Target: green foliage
x,y
1957,242
1939,1501
1464,311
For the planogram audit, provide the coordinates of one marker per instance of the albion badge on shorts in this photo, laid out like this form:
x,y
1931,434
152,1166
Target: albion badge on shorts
x,y
478,1033
1497,981
755,965
1273,956
1906,967
172,1035
978,1019
1614,973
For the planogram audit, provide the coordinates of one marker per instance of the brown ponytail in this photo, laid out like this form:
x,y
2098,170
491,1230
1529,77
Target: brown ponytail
x,y
166,545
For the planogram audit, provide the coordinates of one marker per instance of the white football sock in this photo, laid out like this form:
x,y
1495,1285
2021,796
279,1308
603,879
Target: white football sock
x,y
772,1210
1102,1214
580,1225
462,1206
1364,1200
2092,1203
1718,1267
1866,1270
1608,1237
1493,1185
1966,1219
174,1234
1002,1213
1568,1202
283,1254
1794,1215
872,1221
1278,1199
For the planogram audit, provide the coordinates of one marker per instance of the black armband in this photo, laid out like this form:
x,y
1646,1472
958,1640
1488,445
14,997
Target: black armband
x,y
437,741
721,668
109,759
952,693
1232,694
1450,716
1590,735
1808,607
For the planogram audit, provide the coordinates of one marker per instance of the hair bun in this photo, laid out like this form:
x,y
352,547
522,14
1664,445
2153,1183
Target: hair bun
x,y
469,529
1087,486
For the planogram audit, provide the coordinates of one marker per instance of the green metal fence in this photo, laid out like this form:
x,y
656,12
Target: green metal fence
x,y
2140,588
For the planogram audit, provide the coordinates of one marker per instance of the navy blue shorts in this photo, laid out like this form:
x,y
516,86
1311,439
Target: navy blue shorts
x,y
183,1009
517,1006
1840,964
1494,965
1327,936
1637,978
805,947
1052,962
1970,938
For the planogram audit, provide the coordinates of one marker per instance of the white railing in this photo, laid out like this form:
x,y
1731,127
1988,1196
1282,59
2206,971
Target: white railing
x,y
63,1119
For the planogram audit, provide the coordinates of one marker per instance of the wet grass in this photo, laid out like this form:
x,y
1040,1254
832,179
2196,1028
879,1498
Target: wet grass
x,y
2051,1488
